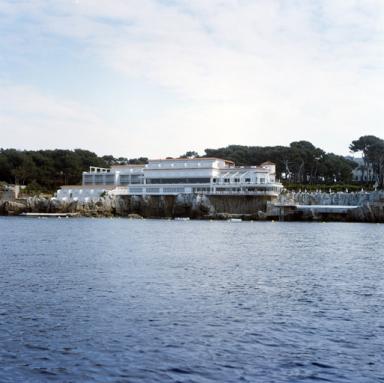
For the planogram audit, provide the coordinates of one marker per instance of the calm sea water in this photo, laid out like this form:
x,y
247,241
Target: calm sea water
x,y
117,300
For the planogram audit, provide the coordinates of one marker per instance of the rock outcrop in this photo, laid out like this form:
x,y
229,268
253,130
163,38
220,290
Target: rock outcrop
x,y
183,205
371,206
104,207
368,212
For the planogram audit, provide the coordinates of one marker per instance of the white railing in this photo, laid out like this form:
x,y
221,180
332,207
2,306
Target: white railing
x,y
126,191
242,192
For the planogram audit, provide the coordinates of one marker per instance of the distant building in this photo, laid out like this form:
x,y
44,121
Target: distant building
x,y
9,192
176,176
364,172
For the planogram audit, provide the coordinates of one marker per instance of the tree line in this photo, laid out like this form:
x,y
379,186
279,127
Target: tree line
x,y
46,170
372,150
299,163
303,163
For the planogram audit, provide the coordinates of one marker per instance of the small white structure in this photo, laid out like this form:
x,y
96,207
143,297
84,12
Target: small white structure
x,y
176,176
364,171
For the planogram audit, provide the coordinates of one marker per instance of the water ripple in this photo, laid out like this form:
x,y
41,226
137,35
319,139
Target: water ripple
x,y
159,301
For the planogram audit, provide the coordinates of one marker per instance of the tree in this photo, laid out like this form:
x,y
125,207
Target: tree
x,y
190,154
376,157
138,161
372,149
300,162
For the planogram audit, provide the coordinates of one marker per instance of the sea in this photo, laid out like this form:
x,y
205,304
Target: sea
x,y
122,300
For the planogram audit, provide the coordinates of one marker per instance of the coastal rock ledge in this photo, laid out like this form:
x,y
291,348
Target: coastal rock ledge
x,y
370,206
182,205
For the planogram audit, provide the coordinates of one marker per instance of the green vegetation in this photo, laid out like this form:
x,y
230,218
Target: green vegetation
x,y
300,165
325,188
46,170
372,149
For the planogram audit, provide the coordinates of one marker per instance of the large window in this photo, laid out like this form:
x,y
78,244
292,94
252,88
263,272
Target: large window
x,y
174,190
136,179
99,179
110,179
153,190
124,179
201,190
88,179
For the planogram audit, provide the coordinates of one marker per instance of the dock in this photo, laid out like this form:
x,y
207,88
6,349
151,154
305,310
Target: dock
x,y
296,211
341,209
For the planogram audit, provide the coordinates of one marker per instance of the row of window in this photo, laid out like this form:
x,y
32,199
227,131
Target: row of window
x,y
247,189
135,179
174,190
200,190
178,165
156,190
177,180
238,180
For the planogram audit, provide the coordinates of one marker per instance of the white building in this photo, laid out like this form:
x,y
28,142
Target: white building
x,y
176,176
364,171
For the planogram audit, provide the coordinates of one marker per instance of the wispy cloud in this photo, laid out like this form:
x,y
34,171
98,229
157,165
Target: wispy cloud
x,y
28,116
256,72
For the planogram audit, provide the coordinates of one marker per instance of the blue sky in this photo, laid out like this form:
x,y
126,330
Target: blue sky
x,y
158,78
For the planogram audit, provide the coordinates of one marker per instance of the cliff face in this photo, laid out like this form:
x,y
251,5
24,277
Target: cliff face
x,y
371,206
239,204
43,205
368,212
185,205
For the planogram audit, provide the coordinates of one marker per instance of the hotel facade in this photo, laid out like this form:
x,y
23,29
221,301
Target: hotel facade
x,y
175,176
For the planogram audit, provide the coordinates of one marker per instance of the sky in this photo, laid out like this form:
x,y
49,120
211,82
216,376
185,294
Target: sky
x,y
157,78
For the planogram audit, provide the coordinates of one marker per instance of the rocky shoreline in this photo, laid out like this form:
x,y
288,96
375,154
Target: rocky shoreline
x,y
370,207
191,206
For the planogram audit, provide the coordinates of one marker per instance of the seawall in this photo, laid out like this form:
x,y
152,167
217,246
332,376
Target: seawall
x,y
332,199
370,206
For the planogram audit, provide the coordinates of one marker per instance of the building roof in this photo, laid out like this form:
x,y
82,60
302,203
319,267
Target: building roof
x,y
248,169
128,165
101,186
191,159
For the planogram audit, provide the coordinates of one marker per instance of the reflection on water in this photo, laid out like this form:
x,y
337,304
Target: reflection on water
x,y
115,300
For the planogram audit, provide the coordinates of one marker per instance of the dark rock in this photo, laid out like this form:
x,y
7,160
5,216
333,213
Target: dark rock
x,y
371,206
13,208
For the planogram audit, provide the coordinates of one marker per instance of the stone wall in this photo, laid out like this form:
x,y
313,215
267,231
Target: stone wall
x,y
8,192
341,198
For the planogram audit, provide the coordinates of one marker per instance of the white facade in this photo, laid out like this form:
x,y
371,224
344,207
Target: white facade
x,y
363,172
176,176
